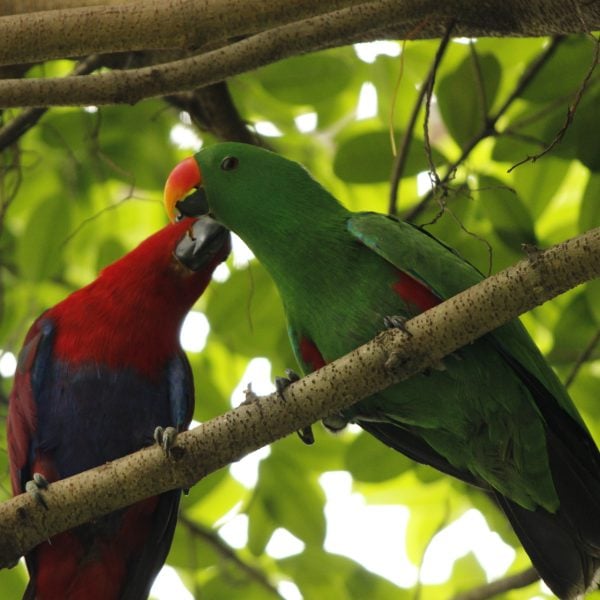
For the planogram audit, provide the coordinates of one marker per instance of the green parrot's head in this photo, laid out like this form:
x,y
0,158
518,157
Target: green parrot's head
x,y
239,185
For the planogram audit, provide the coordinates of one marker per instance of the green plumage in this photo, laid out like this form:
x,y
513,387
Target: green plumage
x,y
494,415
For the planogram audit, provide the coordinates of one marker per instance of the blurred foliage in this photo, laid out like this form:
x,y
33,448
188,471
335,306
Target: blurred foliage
x,y
83,186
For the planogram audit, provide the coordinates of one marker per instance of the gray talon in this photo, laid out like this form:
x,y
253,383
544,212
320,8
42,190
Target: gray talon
x,y
250,396
281,383
165,437
306,435
36,487
396,322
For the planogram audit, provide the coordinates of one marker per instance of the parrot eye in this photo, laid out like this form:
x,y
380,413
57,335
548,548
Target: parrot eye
x,y
229,163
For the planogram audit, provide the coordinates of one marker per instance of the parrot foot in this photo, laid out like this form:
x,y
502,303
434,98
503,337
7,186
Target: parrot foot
x,y
336,422
281,384
396,322
250,395
36,487
531,250
166,437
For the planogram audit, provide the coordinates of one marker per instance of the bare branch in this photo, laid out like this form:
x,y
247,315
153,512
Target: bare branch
x,y
584,357
228,553
23,122
146,25
392,356
489,127
400,161
198,71
212,109
511,582
570,112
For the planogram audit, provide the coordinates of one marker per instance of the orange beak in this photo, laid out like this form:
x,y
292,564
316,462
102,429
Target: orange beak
x,y
183,178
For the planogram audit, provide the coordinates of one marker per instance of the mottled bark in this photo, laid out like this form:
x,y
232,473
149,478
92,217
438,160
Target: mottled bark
x,y
392,356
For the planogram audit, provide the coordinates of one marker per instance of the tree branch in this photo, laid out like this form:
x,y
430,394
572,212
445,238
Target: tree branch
x,y
25,120
80,29
281,34
489,126
392,356
511,582
146,25
198,71
225,551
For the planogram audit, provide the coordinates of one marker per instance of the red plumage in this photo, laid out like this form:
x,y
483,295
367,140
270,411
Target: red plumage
x,y
97,373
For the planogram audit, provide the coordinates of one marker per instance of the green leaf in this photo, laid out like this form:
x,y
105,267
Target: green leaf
x,y
300,509
589,211
246,315
466,95
12,581
510,218
371,461
573,333
366,156
109,250
307,79
39,248
592,295
563,73
537,183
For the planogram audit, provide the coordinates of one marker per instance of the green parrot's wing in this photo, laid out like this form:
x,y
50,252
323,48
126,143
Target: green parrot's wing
x,y
442,270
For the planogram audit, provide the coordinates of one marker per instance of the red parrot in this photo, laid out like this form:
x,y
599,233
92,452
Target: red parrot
x,y
97,374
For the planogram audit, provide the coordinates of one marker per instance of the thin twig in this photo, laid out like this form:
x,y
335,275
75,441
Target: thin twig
x,y
570,112
402,157
584,357
228,553
489,127
433,174
489,590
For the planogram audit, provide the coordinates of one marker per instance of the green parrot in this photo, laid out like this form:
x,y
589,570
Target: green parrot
x,y
495,415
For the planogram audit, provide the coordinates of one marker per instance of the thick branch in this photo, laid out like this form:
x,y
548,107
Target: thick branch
x,y
392,356
145,25
205,69
281,34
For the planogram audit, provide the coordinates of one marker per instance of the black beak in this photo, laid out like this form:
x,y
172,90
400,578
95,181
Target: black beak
x,y
193,205
202,244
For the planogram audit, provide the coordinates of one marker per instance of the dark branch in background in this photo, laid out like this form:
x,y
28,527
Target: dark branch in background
x,y
213,539
570,112
25,120
212,110
489,127
433,174
402,157
489,590
585,356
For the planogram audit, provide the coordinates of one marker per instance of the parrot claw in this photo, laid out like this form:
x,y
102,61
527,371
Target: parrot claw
x,y
281,384
250,395
396,322
336,422
36,487
531,250
165,437
306,435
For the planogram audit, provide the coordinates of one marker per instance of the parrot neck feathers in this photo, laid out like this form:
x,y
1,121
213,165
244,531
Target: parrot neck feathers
x,y
131,314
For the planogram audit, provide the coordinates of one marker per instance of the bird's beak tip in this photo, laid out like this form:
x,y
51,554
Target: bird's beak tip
x,y
183,178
